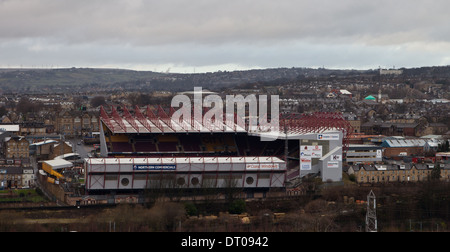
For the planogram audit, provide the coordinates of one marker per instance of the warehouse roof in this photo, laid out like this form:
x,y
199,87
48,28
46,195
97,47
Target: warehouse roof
x,y
9,127
44,142
58,164
403,143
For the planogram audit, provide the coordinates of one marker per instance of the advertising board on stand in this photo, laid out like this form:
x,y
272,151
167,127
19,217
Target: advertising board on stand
x,y
307,153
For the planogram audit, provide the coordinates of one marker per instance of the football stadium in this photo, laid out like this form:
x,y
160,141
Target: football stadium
x,y
144,148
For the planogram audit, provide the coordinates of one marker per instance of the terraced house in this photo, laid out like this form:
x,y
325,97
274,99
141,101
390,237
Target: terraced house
x,y
16,177
396,173
16,147
74,123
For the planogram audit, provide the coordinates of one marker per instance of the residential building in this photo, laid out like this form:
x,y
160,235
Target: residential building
x,y
378,127
70,123
42,149
354,121
438,128
16,147
59,148
16,177
32,128
399,129
396,173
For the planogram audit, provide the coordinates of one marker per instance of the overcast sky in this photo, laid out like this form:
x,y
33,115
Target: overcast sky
x,y
211,35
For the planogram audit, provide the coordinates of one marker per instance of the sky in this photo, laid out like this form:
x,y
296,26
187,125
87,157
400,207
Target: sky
x,y
194,36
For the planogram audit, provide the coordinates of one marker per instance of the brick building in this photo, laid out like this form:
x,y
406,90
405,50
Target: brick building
x,y
403,147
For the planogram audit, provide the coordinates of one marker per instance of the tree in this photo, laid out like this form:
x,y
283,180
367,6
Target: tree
x,y
444,147
98,101
25,106
238,206
191,209
3,111
436,172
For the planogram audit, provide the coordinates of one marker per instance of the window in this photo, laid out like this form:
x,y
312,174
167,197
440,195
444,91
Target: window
x,y
125,181
195,181
181,181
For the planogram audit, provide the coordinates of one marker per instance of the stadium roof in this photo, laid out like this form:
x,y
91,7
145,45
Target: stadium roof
x,y
162,122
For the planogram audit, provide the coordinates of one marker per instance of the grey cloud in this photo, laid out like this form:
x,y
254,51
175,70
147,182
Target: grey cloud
x,y
174,21
211,32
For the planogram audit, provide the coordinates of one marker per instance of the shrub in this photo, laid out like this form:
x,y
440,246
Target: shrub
x,y
237,207
191,209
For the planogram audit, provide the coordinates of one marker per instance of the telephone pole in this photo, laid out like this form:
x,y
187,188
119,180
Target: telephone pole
x,y
371,216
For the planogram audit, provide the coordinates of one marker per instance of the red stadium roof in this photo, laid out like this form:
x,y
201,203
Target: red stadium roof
x,y
160,121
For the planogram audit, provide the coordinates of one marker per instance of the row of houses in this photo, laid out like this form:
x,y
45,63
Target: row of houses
x,y
408,172
66,122
16,177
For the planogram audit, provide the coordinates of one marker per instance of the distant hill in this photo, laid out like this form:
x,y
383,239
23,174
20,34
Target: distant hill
x,y
94,79
30,79
83,79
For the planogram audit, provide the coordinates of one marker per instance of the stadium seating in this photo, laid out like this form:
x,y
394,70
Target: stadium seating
x,y
167,147
121,147
190,143
241,142
195,144
145,147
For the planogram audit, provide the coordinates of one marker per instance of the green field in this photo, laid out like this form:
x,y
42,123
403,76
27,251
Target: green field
x,y
22,195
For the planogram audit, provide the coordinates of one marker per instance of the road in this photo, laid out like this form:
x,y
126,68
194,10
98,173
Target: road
x,y
81,149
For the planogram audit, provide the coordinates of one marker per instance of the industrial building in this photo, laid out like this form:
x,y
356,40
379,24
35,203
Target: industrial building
x,y
398,148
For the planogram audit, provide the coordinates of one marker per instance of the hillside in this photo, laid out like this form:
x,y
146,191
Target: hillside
x,y
81,79
85,79
37,79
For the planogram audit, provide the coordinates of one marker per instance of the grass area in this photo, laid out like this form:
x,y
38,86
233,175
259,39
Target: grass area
x,y
21,195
